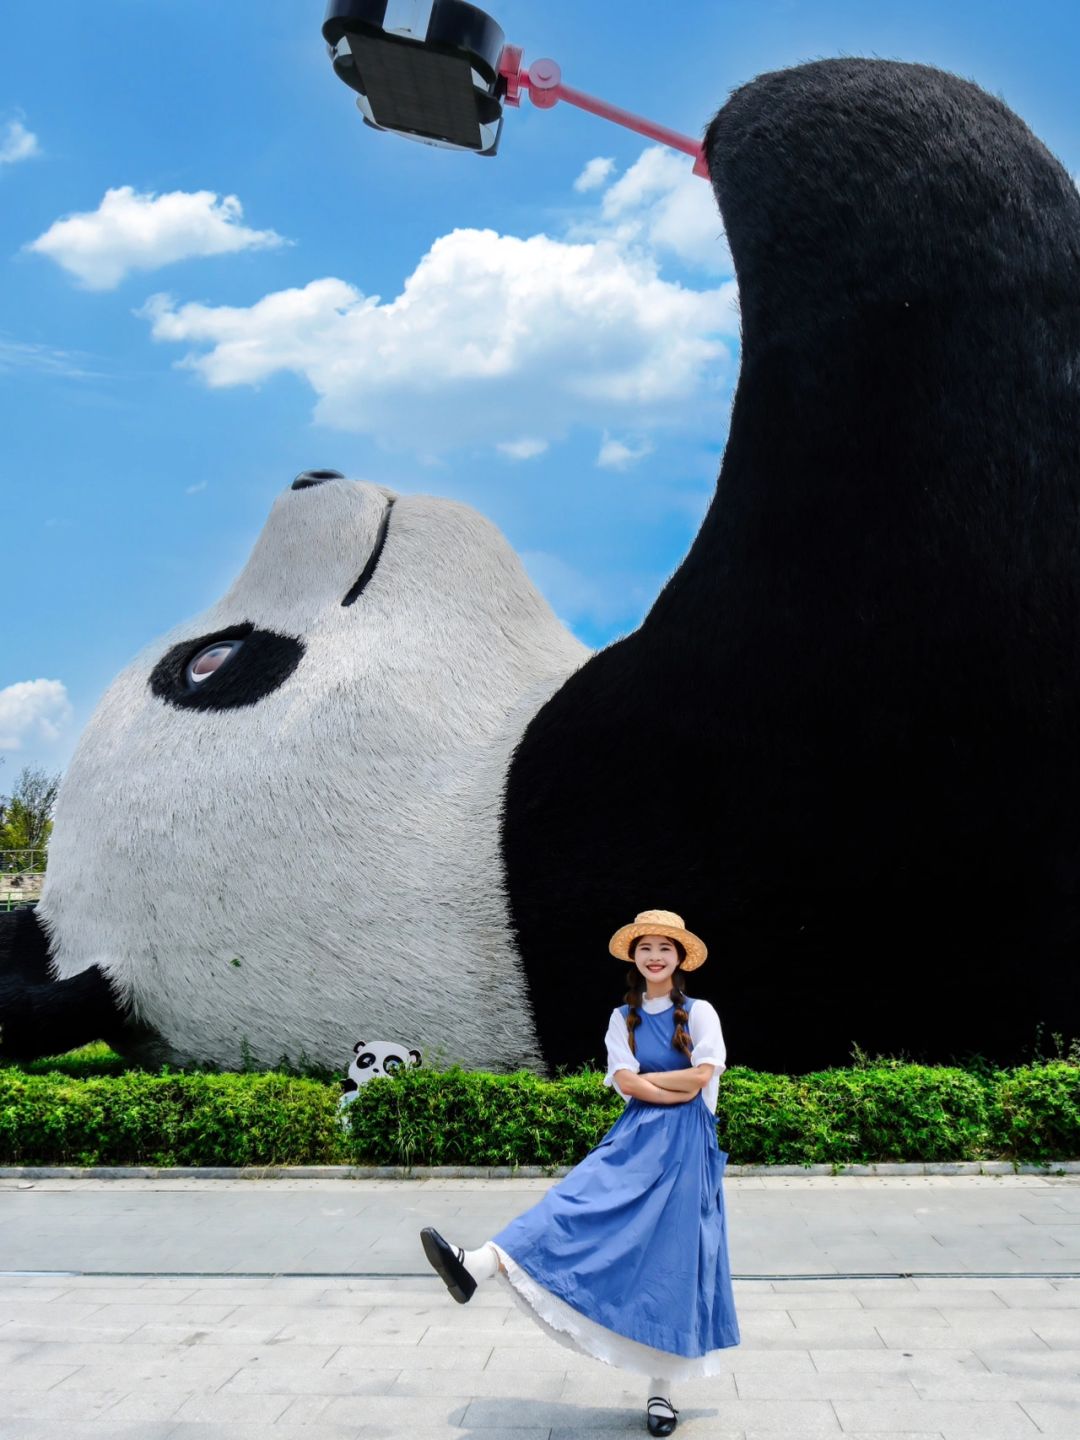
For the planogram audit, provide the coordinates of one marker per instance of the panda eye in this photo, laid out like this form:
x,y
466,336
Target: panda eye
x,y
207,672
210,659
393,1062
365,1061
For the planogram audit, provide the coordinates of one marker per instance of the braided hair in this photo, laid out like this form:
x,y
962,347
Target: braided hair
x,y
635,994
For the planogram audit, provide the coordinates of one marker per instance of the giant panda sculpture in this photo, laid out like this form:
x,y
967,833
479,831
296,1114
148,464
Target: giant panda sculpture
x,y
843,743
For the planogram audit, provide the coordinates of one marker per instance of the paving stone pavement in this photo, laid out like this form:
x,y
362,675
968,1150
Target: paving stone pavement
x,y
920,1307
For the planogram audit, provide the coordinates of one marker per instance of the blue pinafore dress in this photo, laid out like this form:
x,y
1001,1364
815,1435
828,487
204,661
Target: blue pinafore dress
x,y
626,1257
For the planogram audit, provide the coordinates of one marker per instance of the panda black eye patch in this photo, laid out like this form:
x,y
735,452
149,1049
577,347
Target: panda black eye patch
x,y
226,669
373,559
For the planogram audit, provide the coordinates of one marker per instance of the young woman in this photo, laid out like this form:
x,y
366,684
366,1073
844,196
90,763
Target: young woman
x,y
625,1259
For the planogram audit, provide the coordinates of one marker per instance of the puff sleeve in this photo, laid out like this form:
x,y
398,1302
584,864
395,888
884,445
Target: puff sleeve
x,y
705,1032
619,1055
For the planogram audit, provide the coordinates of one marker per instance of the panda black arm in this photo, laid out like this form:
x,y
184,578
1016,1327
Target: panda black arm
x,y
41,1016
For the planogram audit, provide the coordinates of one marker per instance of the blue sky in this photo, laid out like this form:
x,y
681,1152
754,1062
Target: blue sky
x,y
563,357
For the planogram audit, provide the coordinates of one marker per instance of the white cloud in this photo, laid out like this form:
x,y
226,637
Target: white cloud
x,y
32,707
661,204
594,174
197,488
523,449
17,356
17,143
489,330
616,455
133,231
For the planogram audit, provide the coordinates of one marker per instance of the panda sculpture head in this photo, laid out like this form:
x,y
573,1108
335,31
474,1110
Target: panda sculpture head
x,y
282,820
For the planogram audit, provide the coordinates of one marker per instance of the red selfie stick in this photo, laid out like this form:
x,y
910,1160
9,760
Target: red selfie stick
x,y
543,81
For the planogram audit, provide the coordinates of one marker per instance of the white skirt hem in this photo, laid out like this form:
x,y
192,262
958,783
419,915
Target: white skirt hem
x,y
569,1328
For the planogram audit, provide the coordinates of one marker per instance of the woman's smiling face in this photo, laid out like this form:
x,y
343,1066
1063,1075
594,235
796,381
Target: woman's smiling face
x,y
656,957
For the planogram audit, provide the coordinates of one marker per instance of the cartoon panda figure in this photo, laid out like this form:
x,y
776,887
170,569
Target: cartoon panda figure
x,y
372,1059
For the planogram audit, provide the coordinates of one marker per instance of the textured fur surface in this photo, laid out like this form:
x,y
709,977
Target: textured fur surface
x,y
860,783
284,875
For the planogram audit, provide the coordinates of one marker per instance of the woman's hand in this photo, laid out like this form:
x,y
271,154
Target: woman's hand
x,y
692,1080
641,1087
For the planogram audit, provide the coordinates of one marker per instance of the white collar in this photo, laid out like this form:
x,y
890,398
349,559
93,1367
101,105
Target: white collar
x,y
653,1007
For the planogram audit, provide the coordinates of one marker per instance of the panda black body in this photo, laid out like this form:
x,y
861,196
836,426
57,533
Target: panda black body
x,y
861,784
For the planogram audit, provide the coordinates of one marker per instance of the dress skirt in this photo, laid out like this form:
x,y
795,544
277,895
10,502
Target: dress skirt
x,y
625,1258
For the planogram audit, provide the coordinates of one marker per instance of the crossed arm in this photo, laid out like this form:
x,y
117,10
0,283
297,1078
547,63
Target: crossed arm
x,y
665,1087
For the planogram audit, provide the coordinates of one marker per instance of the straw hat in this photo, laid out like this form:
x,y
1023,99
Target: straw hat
x,y
659,922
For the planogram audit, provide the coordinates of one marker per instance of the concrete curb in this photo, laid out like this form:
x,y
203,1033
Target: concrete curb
x,y
501,1172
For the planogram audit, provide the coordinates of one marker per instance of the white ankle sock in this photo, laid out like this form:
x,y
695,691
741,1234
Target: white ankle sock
x,y
660,1386
482,1264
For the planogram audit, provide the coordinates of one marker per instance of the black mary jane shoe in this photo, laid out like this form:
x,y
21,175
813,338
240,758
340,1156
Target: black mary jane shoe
x,y
448,1264
660,1424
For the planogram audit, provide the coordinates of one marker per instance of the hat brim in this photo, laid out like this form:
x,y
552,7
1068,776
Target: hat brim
x,y
696,951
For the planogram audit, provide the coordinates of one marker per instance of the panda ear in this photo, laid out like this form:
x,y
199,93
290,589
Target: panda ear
x,y
415,1056
360,1045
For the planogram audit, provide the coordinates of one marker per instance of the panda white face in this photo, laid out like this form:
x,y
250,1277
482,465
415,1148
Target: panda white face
x,y
281,824
376,1058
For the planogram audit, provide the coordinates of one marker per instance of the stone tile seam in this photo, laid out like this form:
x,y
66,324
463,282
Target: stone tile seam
x,y
779,1276
506,1172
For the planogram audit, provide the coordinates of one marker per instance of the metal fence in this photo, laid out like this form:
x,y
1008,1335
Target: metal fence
x,y
28,861
22,874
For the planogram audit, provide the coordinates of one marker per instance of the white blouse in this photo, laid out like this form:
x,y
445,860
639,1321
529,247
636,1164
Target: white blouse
x,y
708,1043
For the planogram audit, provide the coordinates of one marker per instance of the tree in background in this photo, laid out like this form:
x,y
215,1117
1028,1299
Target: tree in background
x,y
26,815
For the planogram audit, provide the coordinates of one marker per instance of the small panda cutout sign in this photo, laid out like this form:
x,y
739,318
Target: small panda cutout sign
x,y
374,1059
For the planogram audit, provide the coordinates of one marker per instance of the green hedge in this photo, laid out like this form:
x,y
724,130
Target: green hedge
x,y
884,1111
1036,1112
461,1117
895,1112
141,1119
